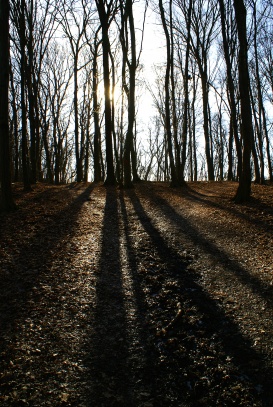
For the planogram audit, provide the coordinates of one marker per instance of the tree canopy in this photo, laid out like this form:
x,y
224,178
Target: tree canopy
x,y
78,81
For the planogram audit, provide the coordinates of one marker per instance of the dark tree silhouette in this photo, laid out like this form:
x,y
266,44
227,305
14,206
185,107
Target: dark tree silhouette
x,y
231,92
6,199
105,11
169,62
244,189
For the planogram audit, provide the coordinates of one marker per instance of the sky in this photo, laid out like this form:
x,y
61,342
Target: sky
x,y
153,53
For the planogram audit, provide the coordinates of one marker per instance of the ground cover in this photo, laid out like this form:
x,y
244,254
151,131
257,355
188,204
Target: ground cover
x,y
146,297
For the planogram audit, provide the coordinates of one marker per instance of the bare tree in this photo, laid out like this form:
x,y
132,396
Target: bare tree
x,y
167,113
226,27
96,112
6,199
55,113
106,11
74,21
187,11
244,188
22,36
14,94
204,30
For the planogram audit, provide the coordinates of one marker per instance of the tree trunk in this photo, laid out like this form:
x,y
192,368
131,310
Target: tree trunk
x,y
270,170
79,169
208,147
15,130
129,151
231,90
97,134
260,99
25,158
244,189
174,179
31,111
177,142
103,15
194,92
230,152
136,178
6,199
115,143
257,133
57,153
186,97
47,152
87,141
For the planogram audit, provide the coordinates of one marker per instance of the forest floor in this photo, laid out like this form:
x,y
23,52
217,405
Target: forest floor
x,y
142,298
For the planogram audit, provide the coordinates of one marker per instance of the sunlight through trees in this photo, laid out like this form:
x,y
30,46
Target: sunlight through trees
x,y
83,104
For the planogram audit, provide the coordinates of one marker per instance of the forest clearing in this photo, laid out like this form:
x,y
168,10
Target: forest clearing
x,y
152,296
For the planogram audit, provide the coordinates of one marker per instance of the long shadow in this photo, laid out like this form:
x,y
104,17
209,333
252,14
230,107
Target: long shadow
x,y
193,195
110,380
34,261
217,326
256,285
143,372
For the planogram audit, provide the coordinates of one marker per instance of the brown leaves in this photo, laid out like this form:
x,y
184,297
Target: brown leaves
x,y
80,321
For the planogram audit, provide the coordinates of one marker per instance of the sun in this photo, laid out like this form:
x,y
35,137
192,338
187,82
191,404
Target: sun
x,y
115,93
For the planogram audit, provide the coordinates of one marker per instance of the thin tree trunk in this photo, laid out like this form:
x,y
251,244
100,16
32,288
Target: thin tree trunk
x,y
29,82
15,129
115,144
79,169
97,134
130,91
194,91
270,171
208,149
47,153
87,141
25,159
258,137
260,99
230,152
186,96
136,177
230,85
177,143
174,179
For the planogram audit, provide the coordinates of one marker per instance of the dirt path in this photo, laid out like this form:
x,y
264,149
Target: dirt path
x,y
148,297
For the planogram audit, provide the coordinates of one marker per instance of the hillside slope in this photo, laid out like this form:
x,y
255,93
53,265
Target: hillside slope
x,y
148,297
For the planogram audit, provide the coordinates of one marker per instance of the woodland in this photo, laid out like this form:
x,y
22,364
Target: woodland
x,y
136,253
73,79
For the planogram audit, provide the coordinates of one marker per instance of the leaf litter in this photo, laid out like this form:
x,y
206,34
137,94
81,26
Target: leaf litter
x,y
148,297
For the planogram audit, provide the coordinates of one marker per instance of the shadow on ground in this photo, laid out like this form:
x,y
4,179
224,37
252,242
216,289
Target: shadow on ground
x,y
203,359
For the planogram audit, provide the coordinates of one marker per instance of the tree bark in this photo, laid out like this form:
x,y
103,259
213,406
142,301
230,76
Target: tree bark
x,y
6,198
231,93
177,142
174,179
25,155
79,168
260,99
104,20
244,189
31,96
186,96
15,130
97,133
129,144
208,144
